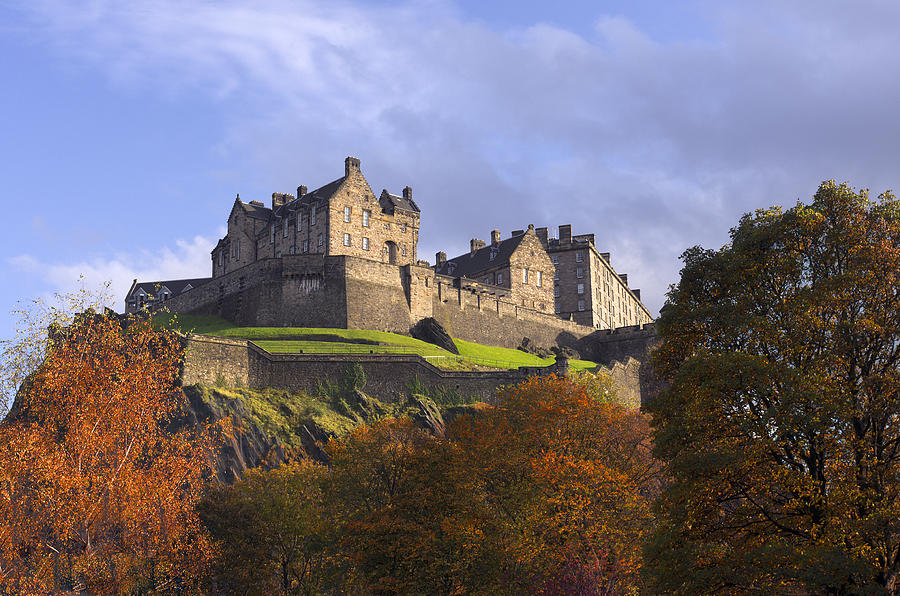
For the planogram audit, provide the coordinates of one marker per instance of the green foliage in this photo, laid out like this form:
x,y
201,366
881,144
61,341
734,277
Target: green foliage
x,y
781,423
441,394
353,378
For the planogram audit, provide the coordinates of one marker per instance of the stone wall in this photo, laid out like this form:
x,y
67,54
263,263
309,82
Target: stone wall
x,y
211,360
480,317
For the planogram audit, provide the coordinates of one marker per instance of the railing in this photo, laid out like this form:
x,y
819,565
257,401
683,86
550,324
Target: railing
x,y
441,361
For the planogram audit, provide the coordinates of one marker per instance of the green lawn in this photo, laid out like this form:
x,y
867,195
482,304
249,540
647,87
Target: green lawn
x,y
290,340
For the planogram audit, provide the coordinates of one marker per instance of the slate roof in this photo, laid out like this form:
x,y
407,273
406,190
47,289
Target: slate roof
x,y
257,212
389,201
470,265
176,286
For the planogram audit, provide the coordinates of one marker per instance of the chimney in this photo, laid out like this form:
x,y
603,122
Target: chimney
x,y
440,258
351,164
495,236
277,200
543,235
301,190
407,193
517,233
475,244
565,234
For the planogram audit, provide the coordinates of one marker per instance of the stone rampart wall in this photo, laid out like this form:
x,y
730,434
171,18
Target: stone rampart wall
x,y
211,360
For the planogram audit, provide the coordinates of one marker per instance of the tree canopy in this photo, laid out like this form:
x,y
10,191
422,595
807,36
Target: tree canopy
x,y
97,477
781,421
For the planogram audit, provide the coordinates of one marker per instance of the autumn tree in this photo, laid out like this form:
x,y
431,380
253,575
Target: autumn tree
x,y
781,426
98,477
560,490
274,532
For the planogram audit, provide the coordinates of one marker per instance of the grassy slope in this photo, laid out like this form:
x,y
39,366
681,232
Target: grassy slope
x,y
287,340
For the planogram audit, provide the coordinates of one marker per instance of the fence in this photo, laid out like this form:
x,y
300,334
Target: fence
x,y
439,360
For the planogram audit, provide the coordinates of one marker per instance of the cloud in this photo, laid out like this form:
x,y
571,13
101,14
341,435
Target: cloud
x,y
187,259
652,145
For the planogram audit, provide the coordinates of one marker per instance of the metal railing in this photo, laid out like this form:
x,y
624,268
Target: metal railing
x,y
436,359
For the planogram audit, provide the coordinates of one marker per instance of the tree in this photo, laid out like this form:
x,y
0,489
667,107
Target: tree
x,y
781,423
559,490
98,477
273,530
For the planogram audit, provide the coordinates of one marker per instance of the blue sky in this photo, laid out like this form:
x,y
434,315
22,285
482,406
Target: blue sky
x,y
128,127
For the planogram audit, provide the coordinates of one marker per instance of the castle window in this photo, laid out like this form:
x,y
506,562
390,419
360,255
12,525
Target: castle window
x,y
403,250
312,216
293,249
579,272
319,241
556,309
272,235
556,292
540,279
365,243
555,259
366,215
237,249
299,221
347,214
221,258
346,239
524,275
403,227
499,278
306,246
581,288
579,257
487,280
580,305
284,229
556,275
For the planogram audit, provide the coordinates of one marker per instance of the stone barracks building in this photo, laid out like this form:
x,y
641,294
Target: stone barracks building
x,y
342,256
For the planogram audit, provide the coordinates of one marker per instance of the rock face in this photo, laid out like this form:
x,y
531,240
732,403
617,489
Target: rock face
x,y
248,447
427,415
428,329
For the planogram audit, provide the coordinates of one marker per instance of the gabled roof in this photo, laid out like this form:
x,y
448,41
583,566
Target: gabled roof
x,y
175,286
489,257
256,212
320,194
390,202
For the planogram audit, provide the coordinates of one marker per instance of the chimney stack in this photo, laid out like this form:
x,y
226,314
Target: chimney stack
x,y
624,278
301,190
495,236
351,164
543,236
407,193
475,244
517,233
440,258
565,234
277,200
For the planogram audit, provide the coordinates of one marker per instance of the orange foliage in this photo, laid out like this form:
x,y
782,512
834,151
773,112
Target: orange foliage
x,y
97,482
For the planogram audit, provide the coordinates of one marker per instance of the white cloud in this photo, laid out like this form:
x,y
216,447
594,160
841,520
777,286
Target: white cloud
x,y
187,259
654,146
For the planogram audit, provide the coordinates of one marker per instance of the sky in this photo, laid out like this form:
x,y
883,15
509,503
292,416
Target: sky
x,y
127,128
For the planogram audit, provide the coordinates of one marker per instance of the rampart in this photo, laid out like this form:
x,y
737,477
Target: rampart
x,y
211,360
354,293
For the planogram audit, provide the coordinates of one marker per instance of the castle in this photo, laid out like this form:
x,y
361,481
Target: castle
x,y
340,256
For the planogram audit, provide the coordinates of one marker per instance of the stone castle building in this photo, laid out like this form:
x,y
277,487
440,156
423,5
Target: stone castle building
x,y
340,256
